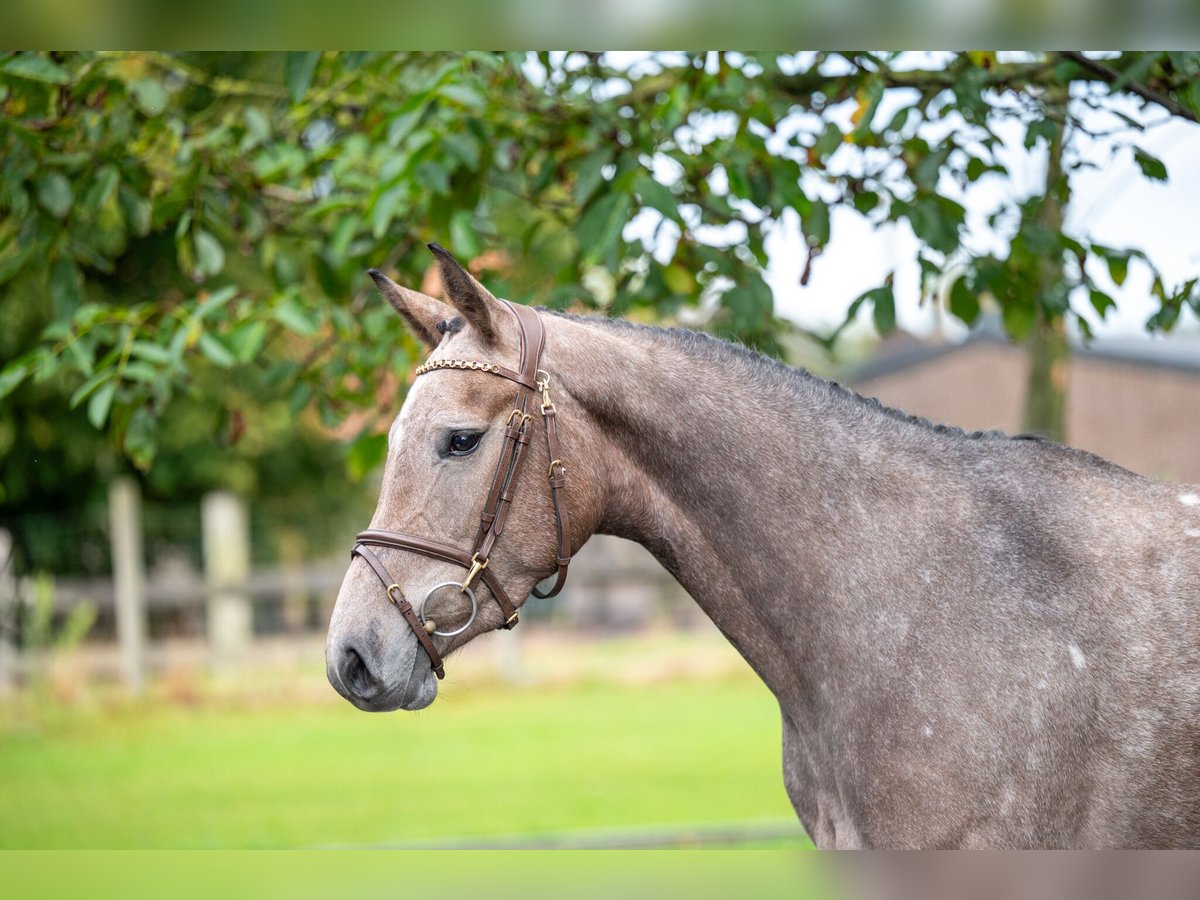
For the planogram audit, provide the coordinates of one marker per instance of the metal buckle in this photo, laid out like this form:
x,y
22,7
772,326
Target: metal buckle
x,y
543,385
433,590
517,414
391,596
553,463
473,572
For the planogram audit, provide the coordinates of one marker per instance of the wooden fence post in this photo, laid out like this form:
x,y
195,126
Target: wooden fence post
x,y
8,615
129,578
510,661
226,536
295,586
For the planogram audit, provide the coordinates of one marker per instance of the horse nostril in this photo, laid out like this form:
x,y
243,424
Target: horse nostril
x,y
356,676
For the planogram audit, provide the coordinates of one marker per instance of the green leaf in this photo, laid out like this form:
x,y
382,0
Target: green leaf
x,y
931,224
433,175
141,441
246,340
679,280
751,304
11,377
299,68
402,124
258,128
64,286
385,208
963,302
1101,302
137,210
215,301
1041,128
210,255
11,266
816,224
140,371
85,389
343,234
866,201
299,397
294,318
36,68
463,237
100,404
658,196
101,188
1152,167
215,350
831,138
150,352
81,352
868,104
1018,319
184,223
883,301
601,225
365,454
55,194
463,146
589,173
149,95
461,93
1118,267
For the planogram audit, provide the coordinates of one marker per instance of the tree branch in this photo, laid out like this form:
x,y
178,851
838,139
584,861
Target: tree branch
x,y
1000,75
1110,75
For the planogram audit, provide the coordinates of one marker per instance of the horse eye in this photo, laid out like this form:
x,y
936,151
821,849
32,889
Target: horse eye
x,y
463,442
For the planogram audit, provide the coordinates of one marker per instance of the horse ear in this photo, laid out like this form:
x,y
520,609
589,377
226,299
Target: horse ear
x,y
469,297
421,312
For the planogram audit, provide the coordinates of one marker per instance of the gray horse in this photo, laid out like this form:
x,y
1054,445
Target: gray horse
x,y
975,640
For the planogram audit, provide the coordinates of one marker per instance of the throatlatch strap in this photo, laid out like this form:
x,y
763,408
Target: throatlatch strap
x,y
558,480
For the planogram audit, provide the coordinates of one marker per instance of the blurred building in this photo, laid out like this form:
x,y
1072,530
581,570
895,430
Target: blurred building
x,y
1135,401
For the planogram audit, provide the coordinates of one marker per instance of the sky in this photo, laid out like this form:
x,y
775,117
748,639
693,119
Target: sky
x,y
1113,204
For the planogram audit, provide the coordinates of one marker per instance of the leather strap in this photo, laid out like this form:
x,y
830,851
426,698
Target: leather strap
x,y
406,610
533,341
557,473
398,540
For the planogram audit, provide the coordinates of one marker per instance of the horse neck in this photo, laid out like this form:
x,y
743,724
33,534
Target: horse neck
x,y
747,484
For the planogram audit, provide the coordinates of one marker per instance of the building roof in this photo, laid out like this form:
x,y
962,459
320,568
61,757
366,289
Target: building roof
x,y
902,350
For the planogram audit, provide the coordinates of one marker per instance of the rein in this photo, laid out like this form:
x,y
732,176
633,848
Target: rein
x,y
530,380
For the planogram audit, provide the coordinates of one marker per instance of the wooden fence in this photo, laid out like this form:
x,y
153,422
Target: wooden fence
x,y
232,606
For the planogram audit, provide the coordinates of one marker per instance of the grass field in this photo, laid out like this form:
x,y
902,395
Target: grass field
x,y
680,744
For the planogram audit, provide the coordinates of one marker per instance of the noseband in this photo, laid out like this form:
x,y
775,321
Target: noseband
x,y
530,380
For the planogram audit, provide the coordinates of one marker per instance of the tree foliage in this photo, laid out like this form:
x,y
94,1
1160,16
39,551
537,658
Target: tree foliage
x,y
175,223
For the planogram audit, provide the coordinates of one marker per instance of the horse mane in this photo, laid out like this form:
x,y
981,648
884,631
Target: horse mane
x,y
758,366
723,351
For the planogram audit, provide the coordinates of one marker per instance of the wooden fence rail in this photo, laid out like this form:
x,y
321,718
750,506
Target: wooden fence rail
x,y
614,585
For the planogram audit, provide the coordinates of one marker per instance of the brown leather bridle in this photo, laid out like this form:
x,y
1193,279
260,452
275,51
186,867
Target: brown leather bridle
x,y
530,380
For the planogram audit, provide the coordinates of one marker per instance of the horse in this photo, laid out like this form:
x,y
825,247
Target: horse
x,y
975,640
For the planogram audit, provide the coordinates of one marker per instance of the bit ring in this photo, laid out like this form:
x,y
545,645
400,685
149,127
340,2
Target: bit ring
x,y
454,584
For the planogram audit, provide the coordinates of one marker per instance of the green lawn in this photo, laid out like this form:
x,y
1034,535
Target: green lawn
x,y
483,760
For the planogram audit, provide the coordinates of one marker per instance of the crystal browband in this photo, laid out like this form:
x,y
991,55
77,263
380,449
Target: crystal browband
x,y
434,364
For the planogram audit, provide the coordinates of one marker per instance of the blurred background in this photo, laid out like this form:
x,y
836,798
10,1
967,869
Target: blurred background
x,y
196,380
